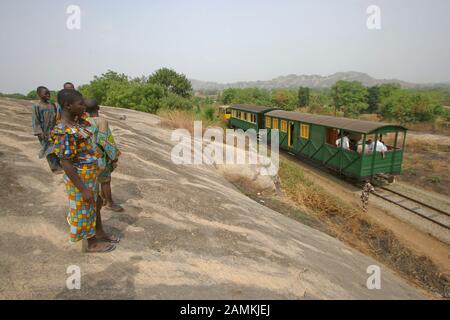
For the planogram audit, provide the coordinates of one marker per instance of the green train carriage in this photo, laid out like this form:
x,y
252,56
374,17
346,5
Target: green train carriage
x,y
314,137
246,117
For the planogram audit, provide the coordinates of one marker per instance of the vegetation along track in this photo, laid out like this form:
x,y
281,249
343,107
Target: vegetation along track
x,y
424,210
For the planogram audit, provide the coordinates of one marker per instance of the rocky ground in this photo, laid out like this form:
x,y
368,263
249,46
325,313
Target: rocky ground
x,y
186,232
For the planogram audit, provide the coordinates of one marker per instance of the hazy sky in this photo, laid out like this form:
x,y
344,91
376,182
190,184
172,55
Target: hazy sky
x,y
221,41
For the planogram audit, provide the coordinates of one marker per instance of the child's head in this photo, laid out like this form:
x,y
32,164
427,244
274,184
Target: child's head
x,y
92,106
69,86
43,93
71,101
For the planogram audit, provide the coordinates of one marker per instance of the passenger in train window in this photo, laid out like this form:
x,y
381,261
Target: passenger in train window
x,y
345,141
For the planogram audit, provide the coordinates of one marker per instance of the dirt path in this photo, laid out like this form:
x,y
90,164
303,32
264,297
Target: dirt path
x,y
418,241
186,232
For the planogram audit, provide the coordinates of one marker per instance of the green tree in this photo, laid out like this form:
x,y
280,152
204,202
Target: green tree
x,y
133,95
407,106
285,99
228,96
172,82
349,97
303,96
32,95
100,86
173,101
377,94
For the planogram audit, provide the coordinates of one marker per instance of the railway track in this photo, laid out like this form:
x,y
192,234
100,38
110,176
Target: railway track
x,y
419,208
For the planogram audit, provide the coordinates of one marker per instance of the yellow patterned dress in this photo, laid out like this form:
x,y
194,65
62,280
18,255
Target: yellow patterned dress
x,y
74,143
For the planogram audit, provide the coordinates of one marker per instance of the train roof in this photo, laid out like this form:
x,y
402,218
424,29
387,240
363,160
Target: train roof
x,y
353,125
251,108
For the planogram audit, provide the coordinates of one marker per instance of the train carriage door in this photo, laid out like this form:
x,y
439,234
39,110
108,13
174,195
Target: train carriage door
x,y
291,135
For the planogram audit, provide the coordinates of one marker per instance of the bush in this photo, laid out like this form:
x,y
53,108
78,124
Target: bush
x,y
100,87
410,107
209,113
176,102
134,95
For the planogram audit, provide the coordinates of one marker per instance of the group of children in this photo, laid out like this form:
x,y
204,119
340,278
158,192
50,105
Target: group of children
x,y
77,141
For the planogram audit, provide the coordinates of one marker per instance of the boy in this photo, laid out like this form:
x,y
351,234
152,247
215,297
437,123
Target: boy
x,y
44,118
69,86
72,142
367,189
105,141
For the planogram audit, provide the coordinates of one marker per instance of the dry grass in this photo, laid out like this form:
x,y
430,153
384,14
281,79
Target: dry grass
x,y
348,225
183,119
175,119
426,162
438,126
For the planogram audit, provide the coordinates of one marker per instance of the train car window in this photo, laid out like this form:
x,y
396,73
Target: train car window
x,y
332,136
304,131
253,118
283,126
268,122
275,123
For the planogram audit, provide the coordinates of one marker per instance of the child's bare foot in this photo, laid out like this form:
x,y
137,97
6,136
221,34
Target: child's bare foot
x,y
103,236
96,246
58,171
114,207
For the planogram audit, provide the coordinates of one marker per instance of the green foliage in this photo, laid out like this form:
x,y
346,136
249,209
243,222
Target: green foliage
x,y
173,101
209,113
101,86
410,106
281,98
163,89
377,94
350,97
246,96
321,103
446,114
285,99
32,95
18,96
172,82
303,96
134,95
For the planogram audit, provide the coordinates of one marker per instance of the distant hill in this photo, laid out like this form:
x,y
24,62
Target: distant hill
x,y
295,81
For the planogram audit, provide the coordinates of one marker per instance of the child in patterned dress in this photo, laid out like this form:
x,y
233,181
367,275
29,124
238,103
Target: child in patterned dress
x,y
72,143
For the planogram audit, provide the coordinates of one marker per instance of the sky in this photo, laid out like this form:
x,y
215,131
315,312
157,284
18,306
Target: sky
x,y
221,41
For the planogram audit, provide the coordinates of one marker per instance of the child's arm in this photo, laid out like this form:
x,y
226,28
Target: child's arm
x,y
36,121
71,172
